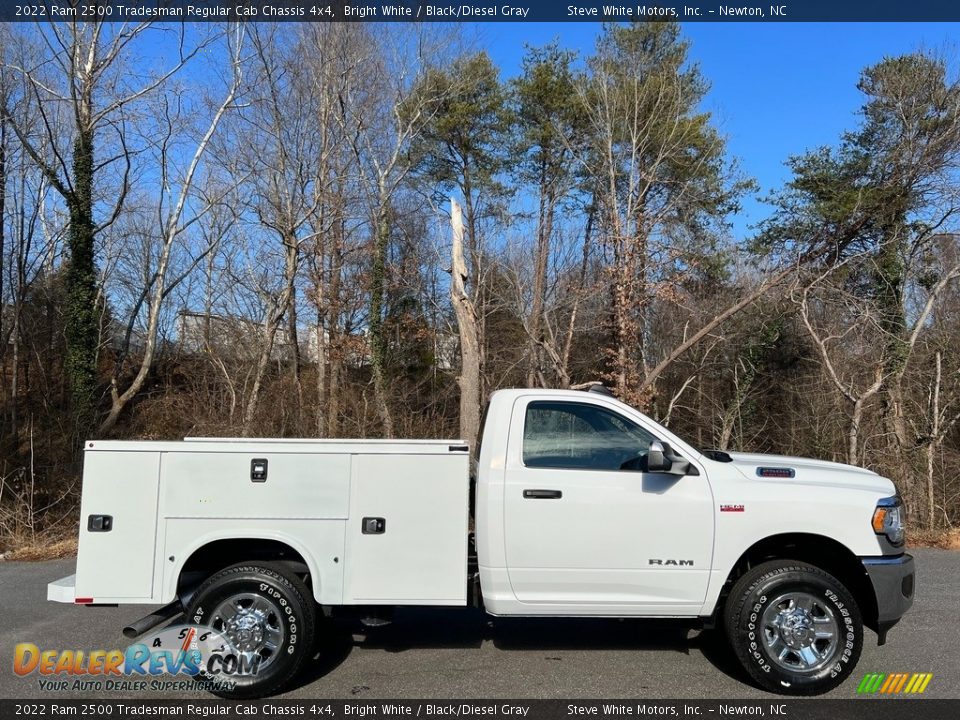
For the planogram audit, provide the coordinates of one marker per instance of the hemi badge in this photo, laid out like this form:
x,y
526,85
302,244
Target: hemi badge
x,y
731,508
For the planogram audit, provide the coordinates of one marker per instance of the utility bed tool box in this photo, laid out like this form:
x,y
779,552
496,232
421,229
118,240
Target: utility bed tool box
x,y
380,522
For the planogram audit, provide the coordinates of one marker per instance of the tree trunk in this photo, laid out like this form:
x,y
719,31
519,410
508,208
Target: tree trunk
x,y
621,320
469,378
641,300
272,322
3,249
935,438
378,343
81,323
544,231
479,297
333,392
3,226
853,432
15,375
931,487
321,300
292,252
334,334
563,370
320,361
889,282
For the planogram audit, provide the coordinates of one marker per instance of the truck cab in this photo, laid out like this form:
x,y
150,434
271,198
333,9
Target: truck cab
x,y
571,522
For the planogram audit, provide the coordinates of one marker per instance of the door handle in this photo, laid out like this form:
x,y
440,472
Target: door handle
x,y
542,494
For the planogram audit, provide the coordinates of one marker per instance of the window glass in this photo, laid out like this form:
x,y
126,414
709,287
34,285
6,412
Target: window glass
x,y
579,435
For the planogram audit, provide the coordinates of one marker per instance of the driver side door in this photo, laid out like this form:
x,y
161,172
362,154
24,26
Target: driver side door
x,y
583,533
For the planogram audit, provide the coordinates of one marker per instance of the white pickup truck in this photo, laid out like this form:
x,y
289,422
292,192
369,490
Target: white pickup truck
x,y
583,507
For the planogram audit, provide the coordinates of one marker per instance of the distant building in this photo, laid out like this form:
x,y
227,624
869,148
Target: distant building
x,y
446,351
240,337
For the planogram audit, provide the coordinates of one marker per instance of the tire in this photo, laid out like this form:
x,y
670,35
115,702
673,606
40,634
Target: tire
x,y
256,606
778,617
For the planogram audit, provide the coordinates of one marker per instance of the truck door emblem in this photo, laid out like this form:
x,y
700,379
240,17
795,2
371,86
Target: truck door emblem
x,y
776,472
657,561
731,508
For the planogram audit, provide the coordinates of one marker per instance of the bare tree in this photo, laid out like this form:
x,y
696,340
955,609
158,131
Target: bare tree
x,y
24,254
561,281
277,149
856,397
174,221
333,55
84,70
395,113
941,417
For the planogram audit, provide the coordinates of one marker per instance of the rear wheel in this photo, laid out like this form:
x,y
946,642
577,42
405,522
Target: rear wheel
x,y
795,628
268,616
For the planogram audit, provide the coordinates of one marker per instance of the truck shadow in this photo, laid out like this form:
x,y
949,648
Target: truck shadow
x,y
469,628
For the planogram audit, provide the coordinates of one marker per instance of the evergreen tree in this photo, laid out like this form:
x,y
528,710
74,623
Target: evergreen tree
x,y
550,131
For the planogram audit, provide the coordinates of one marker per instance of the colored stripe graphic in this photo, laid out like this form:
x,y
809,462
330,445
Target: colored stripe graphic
x,y
900,682
188,640
894,683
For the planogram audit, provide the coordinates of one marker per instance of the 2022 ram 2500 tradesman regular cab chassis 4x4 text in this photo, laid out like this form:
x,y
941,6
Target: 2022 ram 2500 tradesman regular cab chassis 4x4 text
x,y
583,507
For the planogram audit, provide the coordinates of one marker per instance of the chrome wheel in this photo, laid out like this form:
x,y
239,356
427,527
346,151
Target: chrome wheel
x,y
252,623
801,632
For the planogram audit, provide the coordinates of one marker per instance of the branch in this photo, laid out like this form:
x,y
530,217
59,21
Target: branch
x,y
953,274
821,344
46,169
651,377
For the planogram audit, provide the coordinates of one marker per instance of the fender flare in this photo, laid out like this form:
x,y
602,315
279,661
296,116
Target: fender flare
x,y
172,571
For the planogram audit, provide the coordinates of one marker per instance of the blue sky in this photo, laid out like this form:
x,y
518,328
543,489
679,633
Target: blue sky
x,y
777,88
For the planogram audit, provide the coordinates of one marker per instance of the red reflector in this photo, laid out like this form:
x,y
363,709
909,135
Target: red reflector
x,y
83,601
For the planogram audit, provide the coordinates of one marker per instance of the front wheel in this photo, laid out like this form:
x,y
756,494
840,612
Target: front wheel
x,y
267,615
796,629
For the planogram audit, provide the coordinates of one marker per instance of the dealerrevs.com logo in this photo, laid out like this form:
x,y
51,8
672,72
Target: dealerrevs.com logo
x,y
894,683
196,657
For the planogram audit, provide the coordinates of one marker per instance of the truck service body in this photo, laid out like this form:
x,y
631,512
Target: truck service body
x,y
583,507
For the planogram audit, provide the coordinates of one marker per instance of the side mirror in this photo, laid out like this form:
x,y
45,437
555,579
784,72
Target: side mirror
x,y
661,458
657,460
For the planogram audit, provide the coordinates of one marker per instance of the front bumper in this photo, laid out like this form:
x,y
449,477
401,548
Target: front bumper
x,y
893,580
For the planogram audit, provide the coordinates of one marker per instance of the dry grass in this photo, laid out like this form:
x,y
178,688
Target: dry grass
x,y
34,525
50,548
943,539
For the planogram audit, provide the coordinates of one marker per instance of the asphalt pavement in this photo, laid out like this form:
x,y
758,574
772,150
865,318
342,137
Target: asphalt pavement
x,y
463,653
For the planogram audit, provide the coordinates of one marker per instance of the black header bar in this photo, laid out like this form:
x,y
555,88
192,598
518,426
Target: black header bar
x,y
479,11
489,709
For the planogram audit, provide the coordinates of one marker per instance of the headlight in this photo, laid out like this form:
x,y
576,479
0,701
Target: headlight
x,y
888,520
